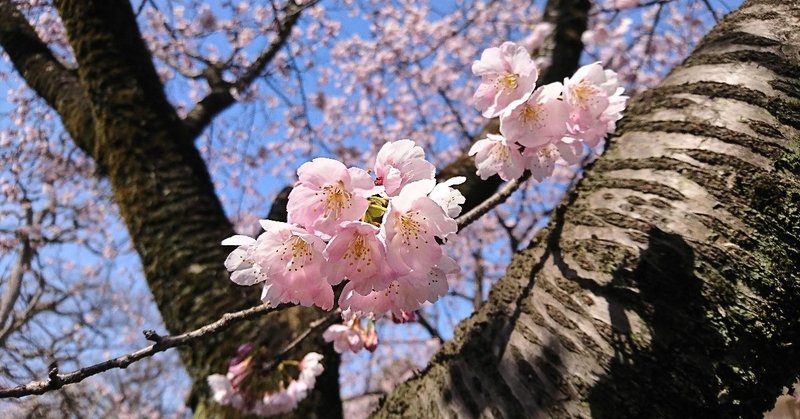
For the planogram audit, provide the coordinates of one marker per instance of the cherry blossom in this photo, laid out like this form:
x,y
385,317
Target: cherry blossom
x,y
344,338
391,243
508,76
244,269
289,263
404,295
399,163
328,193
539,120
227,389
411,226
625,4
449,198
398,298
597,103
357,253
494,155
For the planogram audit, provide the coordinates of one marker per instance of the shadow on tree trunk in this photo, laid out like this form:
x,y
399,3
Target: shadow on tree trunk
x,y
652,376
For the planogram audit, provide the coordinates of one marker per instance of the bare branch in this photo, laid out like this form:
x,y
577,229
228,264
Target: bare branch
x,y
56,380
498,198
429,327
14,282
222,93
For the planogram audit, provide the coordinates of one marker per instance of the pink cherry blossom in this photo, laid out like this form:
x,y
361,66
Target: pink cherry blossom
x,y
625,4
597,103
344,338
293,261
356,252
539,120
411,226
399,297
404,295
240,262
494,155
508,76
541,161
589,89
449,198
399,163
537,36
286,400
327,194
310,368
223,392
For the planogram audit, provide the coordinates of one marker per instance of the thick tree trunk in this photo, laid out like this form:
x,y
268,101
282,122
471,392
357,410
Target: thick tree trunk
x,y
167,200
669,284
116,110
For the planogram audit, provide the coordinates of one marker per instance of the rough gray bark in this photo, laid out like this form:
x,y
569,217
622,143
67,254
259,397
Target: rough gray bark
x,y
669,283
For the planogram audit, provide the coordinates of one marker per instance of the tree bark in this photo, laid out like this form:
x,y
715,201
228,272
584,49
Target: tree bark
x,y
669,283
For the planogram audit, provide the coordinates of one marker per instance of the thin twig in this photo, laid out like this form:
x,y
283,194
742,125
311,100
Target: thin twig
x,y
56,381
498,198
429,327
711,10
316,325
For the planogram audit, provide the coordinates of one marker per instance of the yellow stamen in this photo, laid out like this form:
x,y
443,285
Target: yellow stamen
x,y
508,81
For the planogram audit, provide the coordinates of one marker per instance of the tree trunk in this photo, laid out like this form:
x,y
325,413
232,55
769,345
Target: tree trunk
x,y
116,111
668,285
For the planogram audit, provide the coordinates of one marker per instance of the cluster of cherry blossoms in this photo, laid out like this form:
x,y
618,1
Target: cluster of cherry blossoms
x,y
231,389
542,126
381,235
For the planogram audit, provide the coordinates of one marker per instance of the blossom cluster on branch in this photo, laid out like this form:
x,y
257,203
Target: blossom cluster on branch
x,y
231,389
382,236
380,233
540,127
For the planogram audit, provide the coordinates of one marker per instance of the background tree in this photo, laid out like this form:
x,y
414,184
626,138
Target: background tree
x,y
147,148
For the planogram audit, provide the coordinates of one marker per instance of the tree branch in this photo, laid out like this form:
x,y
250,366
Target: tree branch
x,y
14,281
314,327
222,93
422,321
56,380
496,199
46,75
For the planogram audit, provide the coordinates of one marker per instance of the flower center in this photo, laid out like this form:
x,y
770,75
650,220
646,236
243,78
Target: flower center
x,y
500,152
545,152
296,253
531,113
358,251
583,92
412,230
336,199
508,81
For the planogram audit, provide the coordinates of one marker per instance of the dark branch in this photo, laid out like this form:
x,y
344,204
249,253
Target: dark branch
x,y
494,200
46,75
429,327
56,380
222,93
